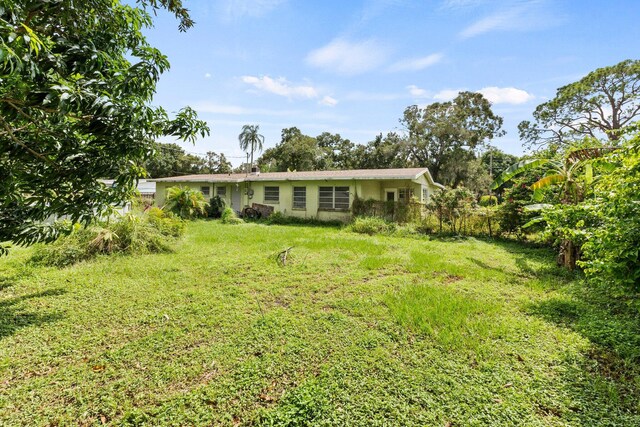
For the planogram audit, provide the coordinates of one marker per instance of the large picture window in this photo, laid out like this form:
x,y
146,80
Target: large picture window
x,y
334,198
271,194
299,197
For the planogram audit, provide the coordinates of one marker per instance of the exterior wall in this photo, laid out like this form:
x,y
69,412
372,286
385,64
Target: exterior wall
x,y
285,202
365,189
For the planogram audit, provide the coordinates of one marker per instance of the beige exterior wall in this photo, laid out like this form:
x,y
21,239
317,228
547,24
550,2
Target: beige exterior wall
x,y
365,189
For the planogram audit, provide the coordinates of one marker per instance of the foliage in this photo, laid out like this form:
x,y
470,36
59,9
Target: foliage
x,y
250,140
296,152
229,216
78,79
599,105
278,218
186,202
133,233
512,215
372,225
451,207
606,226
445,132
229,336
488,200
384,152
216,207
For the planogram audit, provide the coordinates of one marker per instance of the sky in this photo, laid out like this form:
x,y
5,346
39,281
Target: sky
x,y
352,67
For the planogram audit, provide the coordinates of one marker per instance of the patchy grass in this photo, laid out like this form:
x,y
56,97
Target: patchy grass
x,y
354,330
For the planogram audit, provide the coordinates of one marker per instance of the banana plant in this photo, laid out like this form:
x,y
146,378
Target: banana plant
x,y
563,172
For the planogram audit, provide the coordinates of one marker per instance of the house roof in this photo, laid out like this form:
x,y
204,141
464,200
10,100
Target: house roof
x,y
355,174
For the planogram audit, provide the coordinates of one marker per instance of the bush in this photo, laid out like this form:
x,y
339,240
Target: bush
x,y
488,200
133,233
186,203
372,225
229,216
216,206
278,218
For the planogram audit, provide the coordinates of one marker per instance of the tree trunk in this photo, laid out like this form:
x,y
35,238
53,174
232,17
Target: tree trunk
x,y
568,255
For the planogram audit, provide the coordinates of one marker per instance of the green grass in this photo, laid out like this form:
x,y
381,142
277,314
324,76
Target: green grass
x,y
354,330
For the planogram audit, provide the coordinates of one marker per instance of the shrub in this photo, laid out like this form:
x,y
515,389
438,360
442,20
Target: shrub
x,y
229,216
372,225
132,233
278,218
186,202
488,200
216,206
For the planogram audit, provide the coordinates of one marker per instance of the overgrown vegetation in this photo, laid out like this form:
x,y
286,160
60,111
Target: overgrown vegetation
x,y
353,330
133,233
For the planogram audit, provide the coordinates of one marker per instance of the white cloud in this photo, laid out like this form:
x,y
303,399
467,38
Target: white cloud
x,y
447,94
207,75
506,95
417,64
233,9
416,92
518,16
328,101
280,86
345,57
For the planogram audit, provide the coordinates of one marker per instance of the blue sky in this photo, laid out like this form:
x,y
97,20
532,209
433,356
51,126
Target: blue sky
x,y
352,67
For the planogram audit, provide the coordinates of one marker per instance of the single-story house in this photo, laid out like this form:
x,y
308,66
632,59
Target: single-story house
x,y
324,195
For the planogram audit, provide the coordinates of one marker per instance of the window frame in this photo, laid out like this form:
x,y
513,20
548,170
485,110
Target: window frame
x,y
296,202
224,191
337,204
271,200
205,193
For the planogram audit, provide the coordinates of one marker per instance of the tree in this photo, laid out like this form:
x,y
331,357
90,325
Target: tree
x,y
250,140
385,152
445,132
294,152
339,151
599,106
216,163
171,160
77,80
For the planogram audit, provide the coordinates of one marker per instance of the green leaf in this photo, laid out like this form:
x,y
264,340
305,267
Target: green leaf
x,y
517,169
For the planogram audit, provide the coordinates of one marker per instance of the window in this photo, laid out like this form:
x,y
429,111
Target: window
x,y
205,190
334,198
221,191
405,194
272,194
299,197
425,195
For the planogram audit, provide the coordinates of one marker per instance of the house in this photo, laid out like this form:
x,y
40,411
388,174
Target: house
x,y
324,195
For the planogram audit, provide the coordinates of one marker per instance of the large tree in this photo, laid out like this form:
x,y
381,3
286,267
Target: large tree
x,y
599,105
171,160
295,151
76,82
250,139
445,132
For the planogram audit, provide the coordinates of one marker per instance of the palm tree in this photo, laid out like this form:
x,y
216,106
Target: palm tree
x,y
249,138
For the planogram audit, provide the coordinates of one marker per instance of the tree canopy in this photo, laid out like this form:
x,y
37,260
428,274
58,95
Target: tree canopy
x,y
445,132
76,81
599,106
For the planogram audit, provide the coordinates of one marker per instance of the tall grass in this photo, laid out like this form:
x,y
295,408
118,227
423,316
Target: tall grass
x,y
454,320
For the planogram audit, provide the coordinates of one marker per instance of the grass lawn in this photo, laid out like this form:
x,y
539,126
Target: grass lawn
x,y
353,330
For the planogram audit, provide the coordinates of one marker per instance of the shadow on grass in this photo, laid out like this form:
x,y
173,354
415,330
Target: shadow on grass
x,y
610,371
13,318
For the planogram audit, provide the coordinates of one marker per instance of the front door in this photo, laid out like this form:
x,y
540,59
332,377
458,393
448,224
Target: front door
x,y
391,196
236,198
